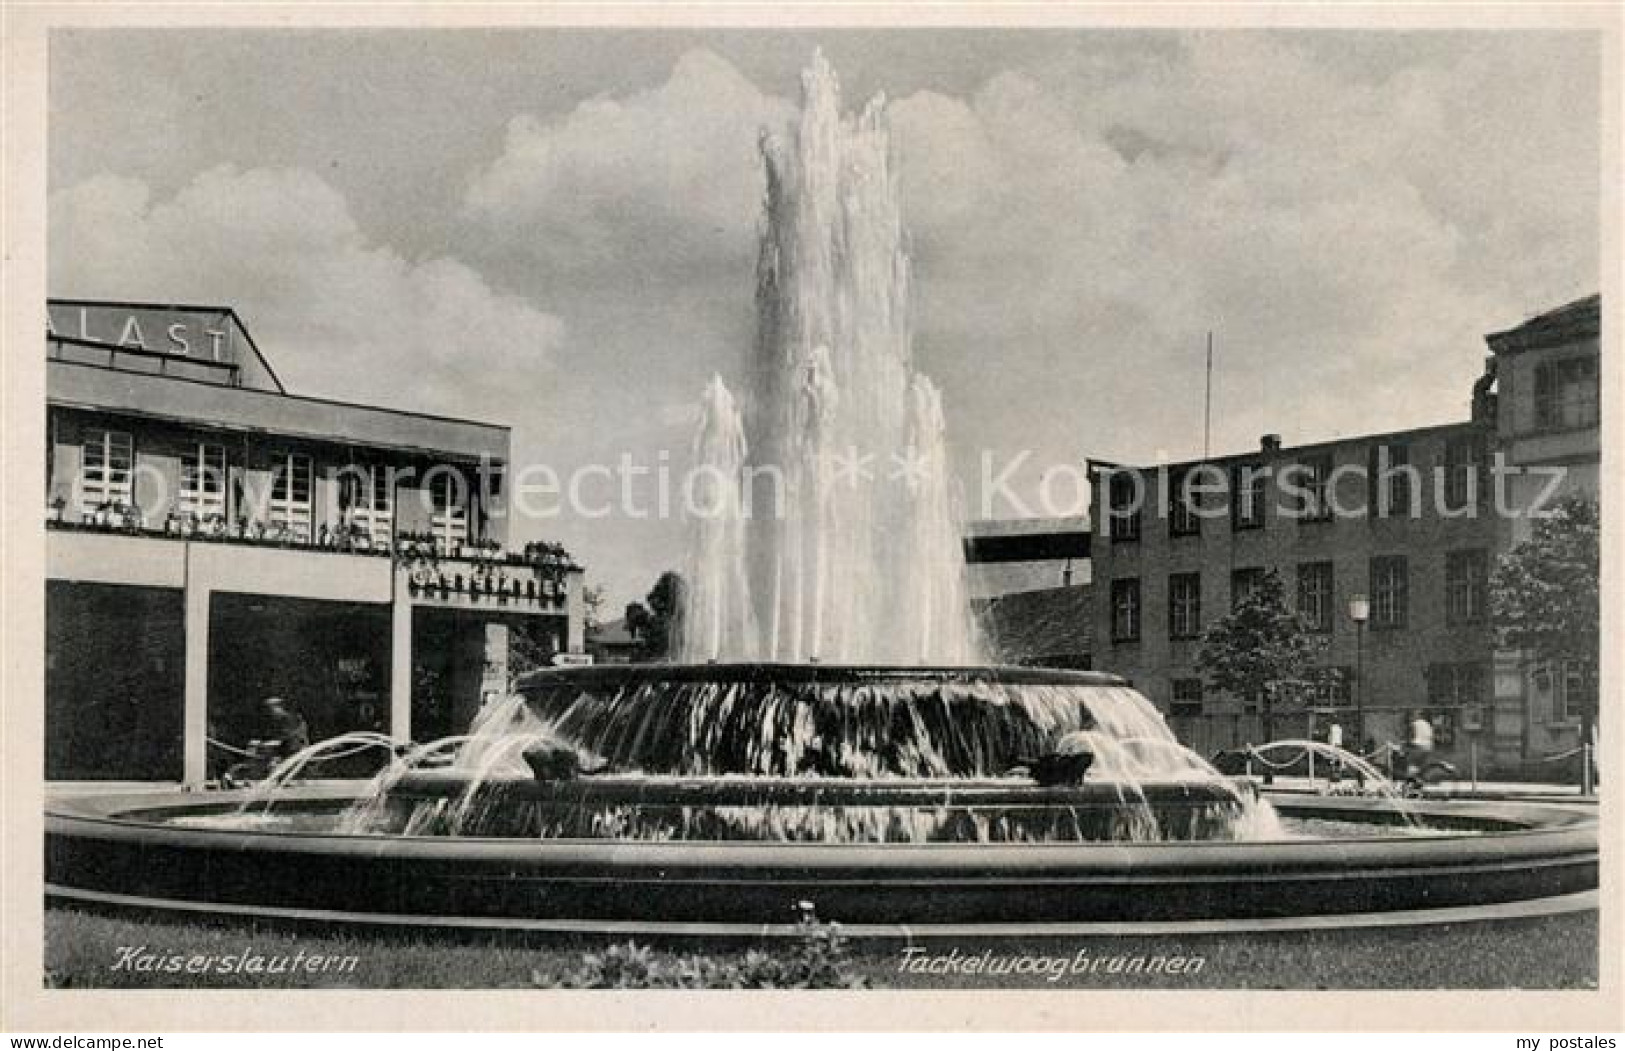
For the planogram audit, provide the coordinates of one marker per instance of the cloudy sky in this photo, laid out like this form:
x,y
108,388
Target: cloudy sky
x,y
556,230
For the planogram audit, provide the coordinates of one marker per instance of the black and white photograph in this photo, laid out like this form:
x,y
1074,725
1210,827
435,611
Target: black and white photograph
x,y
710,504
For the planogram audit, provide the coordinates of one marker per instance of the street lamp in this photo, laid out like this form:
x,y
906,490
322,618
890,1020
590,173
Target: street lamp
x,y
1359,612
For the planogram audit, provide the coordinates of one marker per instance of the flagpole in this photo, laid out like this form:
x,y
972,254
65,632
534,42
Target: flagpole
x,y
1207,402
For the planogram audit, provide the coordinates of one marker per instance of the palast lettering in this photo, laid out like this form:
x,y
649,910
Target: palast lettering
x,y
182,333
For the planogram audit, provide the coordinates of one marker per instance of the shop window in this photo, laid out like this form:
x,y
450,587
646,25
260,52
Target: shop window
x,y
114,682
107,474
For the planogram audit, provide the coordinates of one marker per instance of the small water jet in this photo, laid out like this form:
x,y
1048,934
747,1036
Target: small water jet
x,y
264,793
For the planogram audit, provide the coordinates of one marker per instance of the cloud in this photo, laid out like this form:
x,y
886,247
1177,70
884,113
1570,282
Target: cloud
x,y
1348,212
1335,222
335,311
1347,220
1350,239
669,176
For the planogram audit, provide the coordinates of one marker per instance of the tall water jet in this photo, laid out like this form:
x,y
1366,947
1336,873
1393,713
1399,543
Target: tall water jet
x,y
851,550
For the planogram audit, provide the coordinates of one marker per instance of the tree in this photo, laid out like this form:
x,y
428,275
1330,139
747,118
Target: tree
x,y
592,598
1544,598
655,622
1260,650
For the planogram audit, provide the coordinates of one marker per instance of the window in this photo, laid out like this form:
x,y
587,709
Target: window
x,y
1451,688
1315,595
1184,605
1456,685
1567,685
1390,492
290,493
1183,519
448,502
1566,393
1242,583
203,480
1466,580
1331,686
1311,476
367,498
1390,591
1187,698
1464,484
1123,505
1125,610
107,473
1247,496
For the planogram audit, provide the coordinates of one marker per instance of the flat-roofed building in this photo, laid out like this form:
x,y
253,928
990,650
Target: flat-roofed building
x,y
1008,555
1412,521
214,539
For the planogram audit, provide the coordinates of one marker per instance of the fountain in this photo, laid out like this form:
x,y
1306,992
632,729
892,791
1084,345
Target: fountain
x,y
846,547
833,736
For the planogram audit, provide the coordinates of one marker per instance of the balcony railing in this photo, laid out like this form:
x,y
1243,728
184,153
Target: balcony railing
x,y
435,567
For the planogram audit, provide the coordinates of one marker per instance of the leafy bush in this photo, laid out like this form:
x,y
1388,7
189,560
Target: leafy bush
x,y
816,959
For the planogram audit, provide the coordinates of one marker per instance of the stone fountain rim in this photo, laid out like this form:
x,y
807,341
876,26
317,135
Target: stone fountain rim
x,y
113,849
778,673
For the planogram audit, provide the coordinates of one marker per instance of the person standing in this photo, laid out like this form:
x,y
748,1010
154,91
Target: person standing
x,y
1334,738
1418,747
289,733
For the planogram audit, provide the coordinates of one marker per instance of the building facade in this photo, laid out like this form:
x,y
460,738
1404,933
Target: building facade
x,y
1407,522
213,539
1547,410
1165,573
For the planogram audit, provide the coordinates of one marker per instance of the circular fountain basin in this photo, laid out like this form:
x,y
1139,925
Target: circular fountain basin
x,y
818,742
138,849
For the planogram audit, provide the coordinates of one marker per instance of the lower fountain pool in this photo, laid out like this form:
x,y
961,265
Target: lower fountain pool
x,y
724,798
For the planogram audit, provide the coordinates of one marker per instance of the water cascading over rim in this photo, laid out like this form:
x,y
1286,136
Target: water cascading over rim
x,y
827,529
836,754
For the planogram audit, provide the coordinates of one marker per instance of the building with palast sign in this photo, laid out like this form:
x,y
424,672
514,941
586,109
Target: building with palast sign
x,y
213,540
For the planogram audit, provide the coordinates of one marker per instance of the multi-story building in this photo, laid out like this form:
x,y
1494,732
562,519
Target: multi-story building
x,y
214,540
1406,522
1547,415
1310,513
